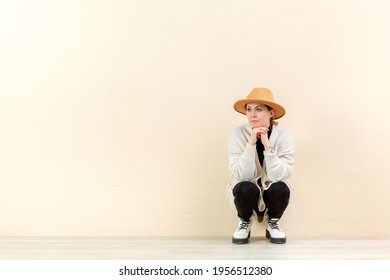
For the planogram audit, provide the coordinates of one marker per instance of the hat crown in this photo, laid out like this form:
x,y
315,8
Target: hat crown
x,y
261,94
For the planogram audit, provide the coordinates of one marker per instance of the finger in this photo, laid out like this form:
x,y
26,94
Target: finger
x,y
261,130
260,135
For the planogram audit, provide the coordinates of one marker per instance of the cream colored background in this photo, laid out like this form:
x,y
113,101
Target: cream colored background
x,y
114,115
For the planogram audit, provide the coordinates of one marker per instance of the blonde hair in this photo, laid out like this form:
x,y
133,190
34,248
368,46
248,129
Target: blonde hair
x,y
271,121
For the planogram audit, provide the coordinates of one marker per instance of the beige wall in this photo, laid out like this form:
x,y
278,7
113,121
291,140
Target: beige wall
x,y
114,115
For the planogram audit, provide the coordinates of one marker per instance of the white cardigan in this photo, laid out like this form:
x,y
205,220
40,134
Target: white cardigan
x,y
244,163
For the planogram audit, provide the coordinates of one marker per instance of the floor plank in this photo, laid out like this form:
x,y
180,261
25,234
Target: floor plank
x,y
185,248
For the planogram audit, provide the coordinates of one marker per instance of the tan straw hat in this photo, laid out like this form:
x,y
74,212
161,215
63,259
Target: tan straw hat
x,y
263,96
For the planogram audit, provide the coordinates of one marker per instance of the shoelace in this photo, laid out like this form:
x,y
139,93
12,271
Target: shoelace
x,y
244,225
274,224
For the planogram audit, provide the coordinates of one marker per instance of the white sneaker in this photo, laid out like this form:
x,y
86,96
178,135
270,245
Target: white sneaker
x,y
243,232
274,233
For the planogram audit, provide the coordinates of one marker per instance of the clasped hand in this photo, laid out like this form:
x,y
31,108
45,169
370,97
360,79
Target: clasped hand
x,y
262,133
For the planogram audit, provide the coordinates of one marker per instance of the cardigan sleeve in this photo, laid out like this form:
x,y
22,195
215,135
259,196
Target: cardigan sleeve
x,y
242,157
280,163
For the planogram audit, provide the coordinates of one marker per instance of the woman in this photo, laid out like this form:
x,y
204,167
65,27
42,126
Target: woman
x,y
261,157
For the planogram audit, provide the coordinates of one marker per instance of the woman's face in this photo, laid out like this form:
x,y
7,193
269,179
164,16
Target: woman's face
x,y
258,115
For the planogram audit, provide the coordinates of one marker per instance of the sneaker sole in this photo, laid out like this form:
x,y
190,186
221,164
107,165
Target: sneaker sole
x,y
275,240
241,240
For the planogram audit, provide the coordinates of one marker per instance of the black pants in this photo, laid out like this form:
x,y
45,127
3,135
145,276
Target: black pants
x,y
247,195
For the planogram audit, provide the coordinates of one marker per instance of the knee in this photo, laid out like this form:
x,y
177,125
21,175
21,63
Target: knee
x,y
279,189
245,189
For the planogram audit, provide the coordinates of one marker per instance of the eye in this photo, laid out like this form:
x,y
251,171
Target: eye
x,y
248,109
258,109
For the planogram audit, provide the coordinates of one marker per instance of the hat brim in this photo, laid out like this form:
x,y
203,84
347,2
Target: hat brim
x,y
239,106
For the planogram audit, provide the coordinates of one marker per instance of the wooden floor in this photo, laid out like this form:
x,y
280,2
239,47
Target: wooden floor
x,y
171,248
